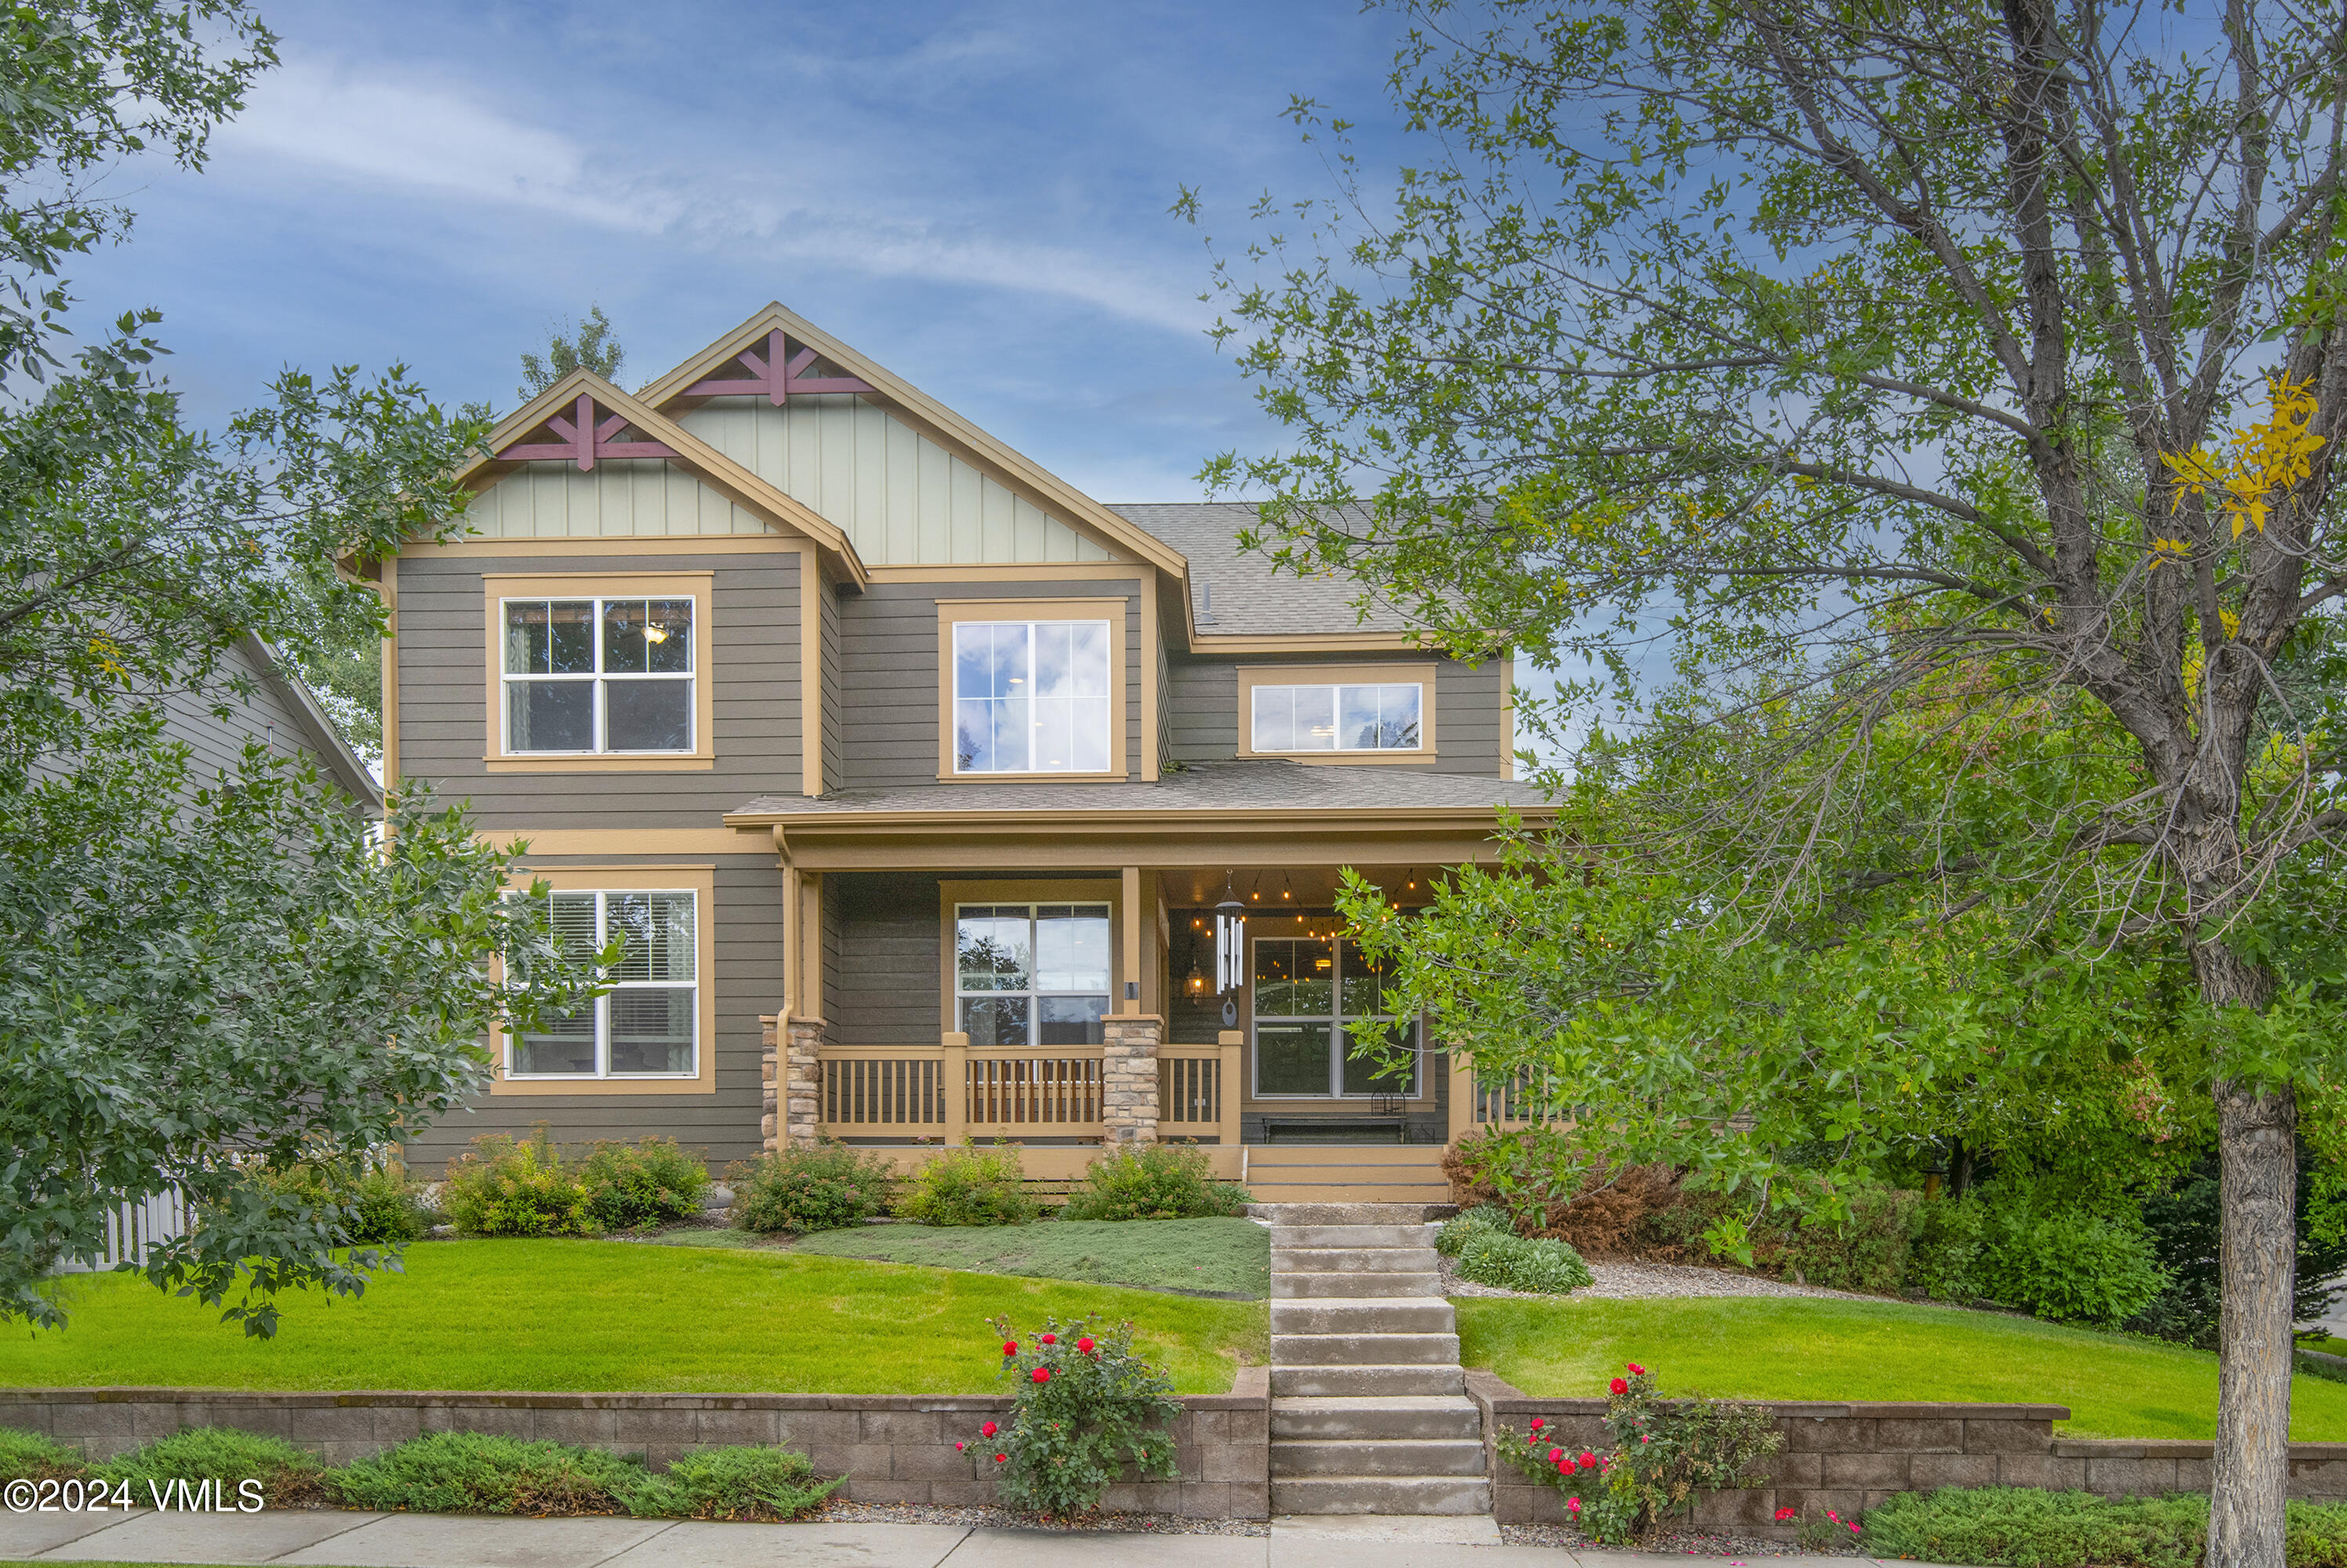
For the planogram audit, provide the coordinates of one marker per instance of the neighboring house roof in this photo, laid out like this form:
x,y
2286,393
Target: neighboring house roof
x,y
1250,597
1232,786
334,752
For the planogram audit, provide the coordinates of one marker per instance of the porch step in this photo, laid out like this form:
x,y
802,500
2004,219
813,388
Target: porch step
x,y
1404,1179
1377,1314
1336,1283
1339,1417
1365,1350
1379,1456
1341,1214
1447,1494
1352,1260
1351,1238
1365,1382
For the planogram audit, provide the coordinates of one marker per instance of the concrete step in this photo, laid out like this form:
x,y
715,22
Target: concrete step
x,y
1447,1494
1354,1260
1296,1285
1351,1237
1365,1382
1391,1415
1365,1350
1378,1456
1372,1213
1365,1315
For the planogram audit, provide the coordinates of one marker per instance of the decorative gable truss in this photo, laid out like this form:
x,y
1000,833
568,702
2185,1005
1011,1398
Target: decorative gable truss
x,y
580,438
776,374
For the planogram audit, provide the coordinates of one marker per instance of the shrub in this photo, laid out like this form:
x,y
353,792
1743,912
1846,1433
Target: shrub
x,y
2071,1267
380,1205
1158,1182
825,1186
1945,1261
500,1187
1484,1219
1087,1405
2033,1529
474,1472
1522,1263
652,1182
1866,1250
971,1186
29,1456
1657,1455
290,1477
762,1484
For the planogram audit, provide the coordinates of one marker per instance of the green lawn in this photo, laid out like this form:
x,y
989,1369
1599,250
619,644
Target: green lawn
x,y
1227,1257
604,1315
1809,1349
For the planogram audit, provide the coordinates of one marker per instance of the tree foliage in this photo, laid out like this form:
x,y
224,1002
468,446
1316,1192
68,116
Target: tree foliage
x,y
589,346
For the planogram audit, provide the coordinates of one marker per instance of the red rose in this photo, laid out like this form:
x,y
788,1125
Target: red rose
x,y
1010,1346
1001,1459
988,1431
1085,1343
1783,1514
1588,1460
1618,1386
1574,1504
1636,1370
1554,1455
1538,1423
1566,1465
1041,1374
1050,1339
959,1447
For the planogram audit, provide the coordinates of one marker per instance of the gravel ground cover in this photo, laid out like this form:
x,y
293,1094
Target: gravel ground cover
x,y
1639,1281
836,1512
1670,1543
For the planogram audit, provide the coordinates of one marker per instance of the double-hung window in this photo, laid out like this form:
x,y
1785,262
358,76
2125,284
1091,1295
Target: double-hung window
x,y
1032,696
590,676
1312,995
1030,974
1384,717
646,1025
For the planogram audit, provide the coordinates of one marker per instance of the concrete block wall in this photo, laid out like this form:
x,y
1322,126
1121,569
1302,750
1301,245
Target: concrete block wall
x,y
1850,1457
891,1447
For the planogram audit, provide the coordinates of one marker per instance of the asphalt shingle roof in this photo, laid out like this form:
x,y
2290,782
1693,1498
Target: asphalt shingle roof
x,y
1201,786
1251,600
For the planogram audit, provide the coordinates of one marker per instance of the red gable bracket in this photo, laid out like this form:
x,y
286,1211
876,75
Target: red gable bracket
x,y
583,440
779,374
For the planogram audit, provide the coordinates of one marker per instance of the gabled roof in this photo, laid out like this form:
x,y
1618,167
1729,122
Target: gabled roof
x,y
705,462
671,390
326,737
1250,598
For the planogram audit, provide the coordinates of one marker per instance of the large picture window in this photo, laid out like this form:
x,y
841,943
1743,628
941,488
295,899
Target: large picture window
x,y
1030,974
1310,994
646,1025
1032,696
592,676
1385,717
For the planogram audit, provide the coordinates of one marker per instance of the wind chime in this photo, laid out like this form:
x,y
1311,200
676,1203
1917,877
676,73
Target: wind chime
x,y
1230,951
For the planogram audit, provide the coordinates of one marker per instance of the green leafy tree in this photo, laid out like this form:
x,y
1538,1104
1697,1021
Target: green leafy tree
x,y
589,346
1845,354
203,973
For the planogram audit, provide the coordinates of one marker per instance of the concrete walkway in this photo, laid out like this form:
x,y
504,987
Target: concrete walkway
x,y
335,1540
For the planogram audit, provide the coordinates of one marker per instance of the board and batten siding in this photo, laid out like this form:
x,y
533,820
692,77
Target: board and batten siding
x,y
721,1126
623,496
888,674
444,717
904,499
1201,701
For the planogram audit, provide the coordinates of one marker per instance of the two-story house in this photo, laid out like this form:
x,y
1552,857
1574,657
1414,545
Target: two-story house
x,y
913,778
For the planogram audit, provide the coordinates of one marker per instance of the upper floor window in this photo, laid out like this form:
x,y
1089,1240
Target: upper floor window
x,y
1339,717
598,676
646,1026
1030,974
1032,696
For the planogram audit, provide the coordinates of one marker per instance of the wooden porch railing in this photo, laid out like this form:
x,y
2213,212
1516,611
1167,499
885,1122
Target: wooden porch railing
x,y
1199,1088
951,1090
1477,1104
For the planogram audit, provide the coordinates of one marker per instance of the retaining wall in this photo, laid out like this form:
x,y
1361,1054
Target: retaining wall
x,y
1849,1457
891,1447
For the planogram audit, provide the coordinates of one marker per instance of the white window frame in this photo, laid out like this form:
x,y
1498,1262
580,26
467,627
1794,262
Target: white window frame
x,y
602,1004
597,678
1336,1018
1336,690
1108,631
1034,993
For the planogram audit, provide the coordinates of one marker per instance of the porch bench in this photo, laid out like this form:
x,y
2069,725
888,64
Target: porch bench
x,y
1273,1126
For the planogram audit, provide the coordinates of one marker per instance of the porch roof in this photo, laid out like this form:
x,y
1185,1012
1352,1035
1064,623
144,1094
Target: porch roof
x,y
1254,785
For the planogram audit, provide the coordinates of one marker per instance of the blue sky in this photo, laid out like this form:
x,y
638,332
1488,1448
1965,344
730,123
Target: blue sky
x,y
974,194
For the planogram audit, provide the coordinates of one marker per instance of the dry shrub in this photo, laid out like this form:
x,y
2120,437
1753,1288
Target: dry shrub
x,y
1607,1214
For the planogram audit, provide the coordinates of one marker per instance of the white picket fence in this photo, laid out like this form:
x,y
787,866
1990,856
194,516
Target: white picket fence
x,y
133,1227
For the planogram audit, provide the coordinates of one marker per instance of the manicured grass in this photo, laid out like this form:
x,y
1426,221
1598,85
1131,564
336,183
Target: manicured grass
x,y
1803,1349
605,1315
1229,1258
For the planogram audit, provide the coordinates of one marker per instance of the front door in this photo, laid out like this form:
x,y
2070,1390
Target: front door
x,y
1309,991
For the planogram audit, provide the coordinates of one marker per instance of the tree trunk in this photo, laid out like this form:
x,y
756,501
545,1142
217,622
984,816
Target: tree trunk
x,y
2256,1144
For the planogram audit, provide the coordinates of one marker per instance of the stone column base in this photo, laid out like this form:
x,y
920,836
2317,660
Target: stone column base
x,y
802,1069
1129,1080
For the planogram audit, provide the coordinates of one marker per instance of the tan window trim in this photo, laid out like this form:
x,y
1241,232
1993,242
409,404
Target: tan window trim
x,y
1421,675
702,880
699,586
1037,890
952,611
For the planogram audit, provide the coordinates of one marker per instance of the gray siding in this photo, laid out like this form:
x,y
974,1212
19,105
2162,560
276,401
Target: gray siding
x,y
887,988
1201,701
723,1126
888,674
443,709
215,747
834,762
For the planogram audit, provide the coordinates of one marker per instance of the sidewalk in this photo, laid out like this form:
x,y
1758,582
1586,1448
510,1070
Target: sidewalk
x,y
338,1540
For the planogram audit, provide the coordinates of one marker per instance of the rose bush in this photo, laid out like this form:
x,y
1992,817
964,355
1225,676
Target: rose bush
x,y
1087,1406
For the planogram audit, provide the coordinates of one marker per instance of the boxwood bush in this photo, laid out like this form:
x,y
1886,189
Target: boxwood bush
x,y
1522,1263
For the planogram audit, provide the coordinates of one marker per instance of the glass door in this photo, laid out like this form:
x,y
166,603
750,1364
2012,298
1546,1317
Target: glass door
x,y
1309,993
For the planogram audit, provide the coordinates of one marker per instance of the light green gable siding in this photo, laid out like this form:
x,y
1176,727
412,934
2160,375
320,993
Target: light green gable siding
x,y
622,495
903,499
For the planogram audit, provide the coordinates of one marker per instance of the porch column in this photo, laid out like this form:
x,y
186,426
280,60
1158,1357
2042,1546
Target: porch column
x,y
1129,1078
803,1081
